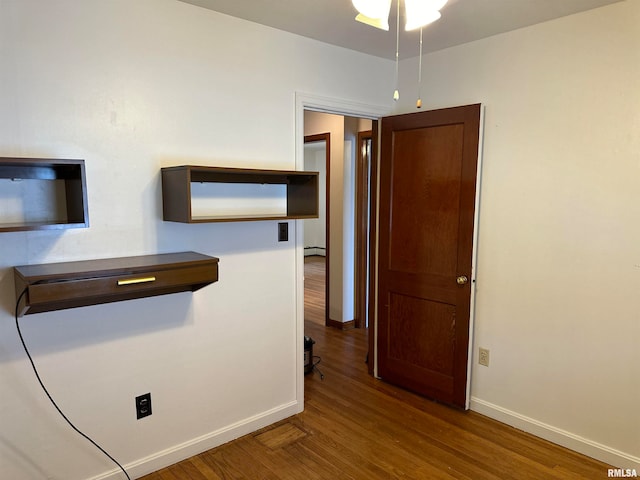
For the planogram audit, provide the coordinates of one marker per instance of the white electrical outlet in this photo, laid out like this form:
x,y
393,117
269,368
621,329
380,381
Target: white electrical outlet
x,y
483,357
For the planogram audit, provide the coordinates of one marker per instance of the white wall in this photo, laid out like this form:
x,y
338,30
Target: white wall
x,y
351,125
558,291
131,87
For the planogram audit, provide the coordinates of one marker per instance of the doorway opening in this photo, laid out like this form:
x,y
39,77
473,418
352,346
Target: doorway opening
x,y
306,104
336,245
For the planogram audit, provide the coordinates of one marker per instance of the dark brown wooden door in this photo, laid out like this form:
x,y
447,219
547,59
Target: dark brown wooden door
x,y
428,166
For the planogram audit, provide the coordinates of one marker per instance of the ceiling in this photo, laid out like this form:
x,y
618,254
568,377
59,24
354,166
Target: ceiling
x,y
332,21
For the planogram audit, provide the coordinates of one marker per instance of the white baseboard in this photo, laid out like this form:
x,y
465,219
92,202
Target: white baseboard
x,y
556,435
201,444
312,251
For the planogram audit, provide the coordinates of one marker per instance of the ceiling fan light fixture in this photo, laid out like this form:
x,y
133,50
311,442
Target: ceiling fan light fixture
x,y
424,18
418,14
374,9
435,4
381,23
422,12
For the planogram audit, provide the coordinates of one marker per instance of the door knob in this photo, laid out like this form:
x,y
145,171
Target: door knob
x,y
462,280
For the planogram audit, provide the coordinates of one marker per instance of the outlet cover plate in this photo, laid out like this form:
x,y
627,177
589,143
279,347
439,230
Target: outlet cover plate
x,y
143,406
483,357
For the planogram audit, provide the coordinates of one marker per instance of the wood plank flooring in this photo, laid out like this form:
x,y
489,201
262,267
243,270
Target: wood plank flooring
x,y
314,289
357,427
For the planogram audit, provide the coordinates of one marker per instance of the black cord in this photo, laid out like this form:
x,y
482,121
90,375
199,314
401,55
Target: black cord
x,y
35,370
314,366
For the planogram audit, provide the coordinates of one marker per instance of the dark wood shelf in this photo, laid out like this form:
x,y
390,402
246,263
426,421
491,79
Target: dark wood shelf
x,y
56,286
302,192
70,212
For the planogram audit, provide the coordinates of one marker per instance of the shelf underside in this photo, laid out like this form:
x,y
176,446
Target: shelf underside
x,y
245,218
27,226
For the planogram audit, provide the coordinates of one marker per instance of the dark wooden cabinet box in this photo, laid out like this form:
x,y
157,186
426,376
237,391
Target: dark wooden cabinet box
x,y
57,286
301,192
66,211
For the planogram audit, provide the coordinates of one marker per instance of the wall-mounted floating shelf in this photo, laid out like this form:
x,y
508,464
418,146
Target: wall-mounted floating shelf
x,y
42,194
299,192
57,286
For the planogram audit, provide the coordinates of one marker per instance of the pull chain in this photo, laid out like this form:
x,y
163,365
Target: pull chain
x,y
396,93
419,101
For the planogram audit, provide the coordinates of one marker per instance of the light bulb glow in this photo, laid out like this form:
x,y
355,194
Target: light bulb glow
x,y
421,13
373,8
434,4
